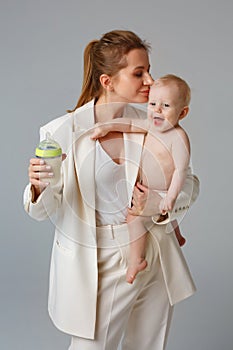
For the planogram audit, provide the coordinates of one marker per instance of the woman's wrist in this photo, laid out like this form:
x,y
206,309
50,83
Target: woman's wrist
x,y
35,192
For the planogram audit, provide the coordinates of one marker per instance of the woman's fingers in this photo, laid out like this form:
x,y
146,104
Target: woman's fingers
x,y
134,211
141,188
38,170
139,196
145,201
37,161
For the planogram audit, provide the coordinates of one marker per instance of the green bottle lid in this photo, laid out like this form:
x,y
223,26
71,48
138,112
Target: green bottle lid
x,y
48,148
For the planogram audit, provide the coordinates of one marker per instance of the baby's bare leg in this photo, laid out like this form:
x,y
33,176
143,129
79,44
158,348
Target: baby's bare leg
x,y
137,260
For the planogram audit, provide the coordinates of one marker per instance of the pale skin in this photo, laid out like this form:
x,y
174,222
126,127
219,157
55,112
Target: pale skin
x,y
166,154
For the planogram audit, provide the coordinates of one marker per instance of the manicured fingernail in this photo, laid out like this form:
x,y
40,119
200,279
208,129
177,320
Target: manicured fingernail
x,y
48,167
50,174
41,161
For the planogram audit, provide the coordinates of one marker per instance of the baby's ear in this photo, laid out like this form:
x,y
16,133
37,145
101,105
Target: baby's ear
x,y
184,112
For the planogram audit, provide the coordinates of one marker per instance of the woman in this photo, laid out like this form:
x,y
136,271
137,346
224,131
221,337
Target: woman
x,y
88,296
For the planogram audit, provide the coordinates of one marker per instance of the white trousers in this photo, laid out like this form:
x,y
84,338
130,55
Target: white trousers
x,y
129,317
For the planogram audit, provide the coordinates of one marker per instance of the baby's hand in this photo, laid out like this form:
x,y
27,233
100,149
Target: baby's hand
x,y
100,130
166,205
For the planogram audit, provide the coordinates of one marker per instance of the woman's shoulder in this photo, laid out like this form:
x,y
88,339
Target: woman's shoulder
x,y
65,124
67,118
57,122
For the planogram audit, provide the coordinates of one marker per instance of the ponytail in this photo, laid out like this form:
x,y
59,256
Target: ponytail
x,y
88,91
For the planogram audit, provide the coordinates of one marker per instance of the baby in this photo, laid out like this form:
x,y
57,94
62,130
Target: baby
x,y
165,157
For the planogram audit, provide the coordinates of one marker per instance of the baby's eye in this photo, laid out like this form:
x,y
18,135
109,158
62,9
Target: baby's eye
x,y
153,104
166,105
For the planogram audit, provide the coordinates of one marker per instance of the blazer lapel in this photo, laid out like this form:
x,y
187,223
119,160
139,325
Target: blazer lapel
x,y
84,157
133,149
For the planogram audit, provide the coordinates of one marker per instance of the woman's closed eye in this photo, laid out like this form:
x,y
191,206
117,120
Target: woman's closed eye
x,y
138,74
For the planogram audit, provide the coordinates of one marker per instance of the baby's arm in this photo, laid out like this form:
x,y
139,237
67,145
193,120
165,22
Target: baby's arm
x,y
181,157
120,125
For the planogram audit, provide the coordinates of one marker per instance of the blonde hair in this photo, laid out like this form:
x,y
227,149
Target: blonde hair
x,y
106,56
184,89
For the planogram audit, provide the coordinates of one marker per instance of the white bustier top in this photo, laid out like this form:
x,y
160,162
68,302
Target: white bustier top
x,y
111,192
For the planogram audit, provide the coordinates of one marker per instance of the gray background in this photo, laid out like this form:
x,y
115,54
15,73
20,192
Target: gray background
x,y
42,42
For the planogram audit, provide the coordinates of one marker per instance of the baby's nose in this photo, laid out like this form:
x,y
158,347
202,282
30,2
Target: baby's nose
x,y
157,108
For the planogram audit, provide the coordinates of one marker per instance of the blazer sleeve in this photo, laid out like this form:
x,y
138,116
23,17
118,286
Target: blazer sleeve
x,y
185,199
45,206
48,201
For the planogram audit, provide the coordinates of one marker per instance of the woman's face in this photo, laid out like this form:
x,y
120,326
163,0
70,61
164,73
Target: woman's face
x,y
132,83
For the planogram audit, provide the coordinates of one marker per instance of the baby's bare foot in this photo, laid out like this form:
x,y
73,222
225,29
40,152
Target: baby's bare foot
x,y
134,268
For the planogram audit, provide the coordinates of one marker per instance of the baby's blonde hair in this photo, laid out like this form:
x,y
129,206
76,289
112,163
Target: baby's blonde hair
x,y
184,89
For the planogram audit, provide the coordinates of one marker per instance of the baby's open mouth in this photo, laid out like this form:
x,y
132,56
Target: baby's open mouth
x,y
158,118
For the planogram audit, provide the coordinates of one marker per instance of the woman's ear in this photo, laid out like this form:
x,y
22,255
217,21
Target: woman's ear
x,y
106,82
184,112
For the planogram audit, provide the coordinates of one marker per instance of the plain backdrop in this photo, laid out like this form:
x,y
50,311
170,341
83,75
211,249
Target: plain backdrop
x,y
41,43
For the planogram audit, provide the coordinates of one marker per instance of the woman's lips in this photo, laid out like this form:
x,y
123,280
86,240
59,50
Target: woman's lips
x,y
145,92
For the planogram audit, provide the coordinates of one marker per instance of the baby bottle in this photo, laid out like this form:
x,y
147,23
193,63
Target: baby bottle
x,y
51,152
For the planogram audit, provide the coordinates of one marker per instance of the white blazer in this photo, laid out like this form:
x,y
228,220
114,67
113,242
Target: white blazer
x,y
71,205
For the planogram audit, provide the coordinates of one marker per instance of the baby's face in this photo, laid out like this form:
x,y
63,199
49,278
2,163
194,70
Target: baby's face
x,y
165,105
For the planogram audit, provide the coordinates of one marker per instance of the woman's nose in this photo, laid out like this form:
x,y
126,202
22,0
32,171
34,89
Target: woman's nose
x,y
148,80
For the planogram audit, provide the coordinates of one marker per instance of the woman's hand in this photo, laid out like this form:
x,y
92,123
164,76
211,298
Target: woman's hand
x,y
145,201
166,205
38,170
